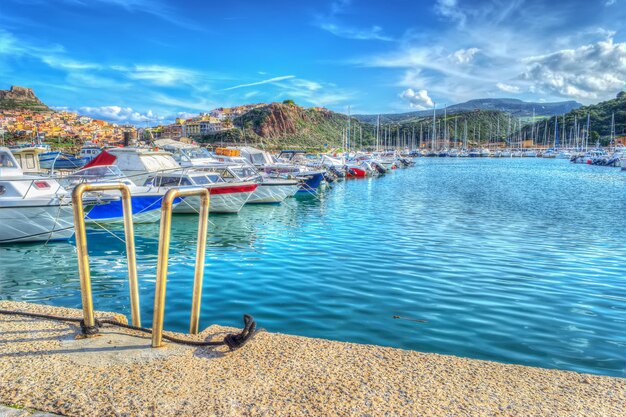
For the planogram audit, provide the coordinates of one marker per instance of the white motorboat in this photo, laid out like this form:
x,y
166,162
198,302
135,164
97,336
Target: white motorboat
x,y
32,208
226,197
142,166
289,163
269,189
145,201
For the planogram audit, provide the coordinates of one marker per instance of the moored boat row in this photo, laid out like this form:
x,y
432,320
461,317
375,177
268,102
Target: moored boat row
x,y
38,206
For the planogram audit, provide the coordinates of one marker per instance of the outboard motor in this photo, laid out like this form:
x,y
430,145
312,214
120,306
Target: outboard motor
x,y
330,176
338,174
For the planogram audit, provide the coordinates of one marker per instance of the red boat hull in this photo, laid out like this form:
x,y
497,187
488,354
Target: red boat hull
x,y
356,173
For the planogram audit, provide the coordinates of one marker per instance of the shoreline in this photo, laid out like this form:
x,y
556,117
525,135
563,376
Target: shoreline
x,y
45,368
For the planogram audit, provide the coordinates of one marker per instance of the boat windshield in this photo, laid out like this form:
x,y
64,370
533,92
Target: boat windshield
x,y
97,173
207,179
196,153
244,172
168,181
6,161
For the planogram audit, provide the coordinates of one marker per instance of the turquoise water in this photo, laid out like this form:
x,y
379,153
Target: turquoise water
x,y
514,260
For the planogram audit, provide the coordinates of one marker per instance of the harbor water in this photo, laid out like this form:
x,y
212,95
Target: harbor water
x,y
513,260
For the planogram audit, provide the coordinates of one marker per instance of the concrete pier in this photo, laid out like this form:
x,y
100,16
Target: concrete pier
x,y
44,367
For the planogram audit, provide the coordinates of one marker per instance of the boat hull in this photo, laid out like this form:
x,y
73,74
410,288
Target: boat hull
x,y
269,192
146,209
224,199
36,223
354,172
311,182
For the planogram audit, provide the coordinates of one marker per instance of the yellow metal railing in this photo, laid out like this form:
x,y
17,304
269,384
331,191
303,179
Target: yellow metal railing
x,y
163,255
83,255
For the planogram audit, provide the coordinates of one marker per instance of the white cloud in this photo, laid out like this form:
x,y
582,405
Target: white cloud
x,y
306,84
119,114
464,56
67,64
157,8
199,103
185,115
312,92
507,88
450,10
251,94
268,81
373,33
339,6
589,72
608,3
417,99
492,43
160,75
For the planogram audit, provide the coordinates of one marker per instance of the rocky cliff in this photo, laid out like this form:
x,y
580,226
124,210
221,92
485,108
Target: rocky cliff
x,y
279,125
21,98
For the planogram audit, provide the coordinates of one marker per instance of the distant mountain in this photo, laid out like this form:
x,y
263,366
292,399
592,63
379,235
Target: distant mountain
x,y
515,107
21,98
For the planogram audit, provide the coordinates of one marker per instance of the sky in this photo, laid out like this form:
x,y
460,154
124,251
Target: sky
x,y
150,61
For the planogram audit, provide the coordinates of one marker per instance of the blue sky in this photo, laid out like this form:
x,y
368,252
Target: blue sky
x,y
143,61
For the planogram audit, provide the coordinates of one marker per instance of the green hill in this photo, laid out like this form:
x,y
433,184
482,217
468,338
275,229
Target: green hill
x,y
282,125
599,122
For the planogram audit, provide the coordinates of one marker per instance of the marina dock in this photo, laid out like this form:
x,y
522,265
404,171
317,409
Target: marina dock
x,y
45,367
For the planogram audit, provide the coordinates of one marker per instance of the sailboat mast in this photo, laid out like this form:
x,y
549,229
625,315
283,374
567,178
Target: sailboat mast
x,y
432,146
556,132
532,133
465,135
445,126
456,135
612,128
421,135
360,137
377,131
587,136
508,130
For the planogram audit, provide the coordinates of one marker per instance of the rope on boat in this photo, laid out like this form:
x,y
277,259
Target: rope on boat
x,y
109,231
56,221
233,341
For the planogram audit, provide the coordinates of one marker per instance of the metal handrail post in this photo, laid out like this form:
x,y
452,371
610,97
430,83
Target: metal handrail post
x,y
163,257
83,254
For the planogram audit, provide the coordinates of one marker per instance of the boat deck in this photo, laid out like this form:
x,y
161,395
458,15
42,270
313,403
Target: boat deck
x,y
45,367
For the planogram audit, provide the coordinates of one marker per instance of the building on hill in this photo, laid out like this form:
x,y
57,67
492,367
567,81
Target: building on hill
x,y
200,127
173,131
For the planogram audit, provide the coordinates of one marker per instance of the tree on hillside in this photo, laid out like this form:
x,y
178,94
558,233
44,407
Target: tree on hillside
x,y
289,102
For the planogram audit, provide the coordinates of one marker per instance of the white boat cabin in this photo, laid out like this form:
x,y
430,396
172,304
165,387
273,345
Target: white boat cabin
x,y
137,164
28,158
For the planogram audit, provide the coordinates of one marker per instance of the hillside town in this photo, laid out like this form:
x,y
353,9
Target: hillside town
x,y
24,125
204,124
